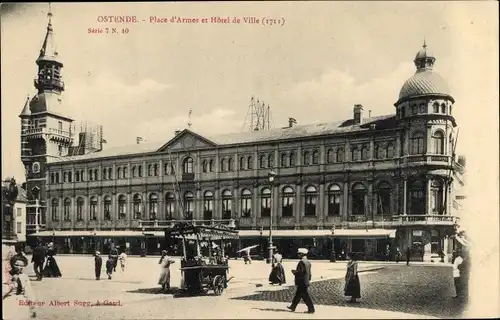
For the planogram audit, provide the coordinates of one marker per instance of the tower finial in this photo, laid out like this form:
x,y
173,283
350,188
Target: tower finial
x,y
425,44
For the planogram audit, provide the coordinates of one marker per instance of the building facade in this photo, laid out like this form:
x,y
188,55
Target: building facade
x,y
366,184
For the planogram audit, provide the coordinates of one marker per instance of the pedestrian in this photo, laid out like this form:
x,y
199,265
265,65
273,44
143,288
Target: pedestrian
x,y
98,265
247,257
38,259
123,259
114,255
51,269
398,255
19,256
408,255
164,280
277,275
110,264
302,280
457,266
352,286
19,285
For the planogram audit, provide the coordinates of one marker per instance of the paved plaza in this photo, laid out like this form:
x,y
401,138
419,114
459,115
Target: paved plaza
x,y
388,290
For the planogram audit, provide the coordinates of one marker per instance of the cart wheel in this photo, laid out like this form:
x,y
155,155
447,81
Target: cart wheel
x,y
218,285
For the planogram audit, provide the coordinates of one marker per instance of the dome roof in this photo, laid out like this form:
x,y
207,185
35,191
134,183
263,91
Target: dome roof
x,y
424,83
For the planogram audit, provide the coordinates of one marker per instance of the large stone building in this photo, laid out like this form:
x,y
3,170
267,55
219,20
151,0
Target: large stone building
x,y
364,184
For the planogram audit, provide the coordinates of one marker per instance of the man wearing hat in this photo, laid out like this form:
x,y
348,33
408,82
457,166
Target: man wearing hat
x,y
302,279
98,265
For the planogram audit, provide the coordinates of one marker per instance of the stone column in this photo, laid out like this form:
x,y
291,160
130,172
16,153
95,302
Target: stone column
x,y
397,147
236,203
217,205
405,195
255,205
345,202
428,196
198,205
429,147
298,203
321,206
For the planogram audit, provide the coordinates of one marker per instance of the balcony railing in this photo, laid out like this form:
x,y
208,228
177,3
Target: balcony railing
x,y
34,131
60,132
163,224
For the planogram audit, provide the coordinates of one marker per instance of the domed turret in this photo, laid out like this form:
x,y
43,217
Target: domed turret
x,y
425,81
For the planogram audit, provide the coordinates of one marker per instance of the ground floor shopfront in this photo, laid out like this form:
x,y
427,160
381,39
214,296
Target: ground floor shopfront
x,y
426,243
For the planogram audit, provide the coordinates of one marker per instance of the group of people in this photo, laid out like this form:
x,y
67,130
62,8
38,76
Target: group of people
x,y
45,255
111,263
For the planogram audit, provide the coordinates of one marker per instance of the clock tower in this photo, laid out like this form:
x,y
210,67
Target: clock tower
x,y
46,129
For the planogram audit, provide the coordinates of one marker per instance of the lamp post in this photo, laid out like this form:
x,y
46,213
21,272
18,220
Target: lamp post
x,y
271,176
95,241
53,236
261,251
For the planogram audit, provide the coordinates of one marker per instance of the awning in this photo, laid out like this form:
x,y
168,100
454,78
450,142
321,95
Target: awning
x,y
98,233
354,233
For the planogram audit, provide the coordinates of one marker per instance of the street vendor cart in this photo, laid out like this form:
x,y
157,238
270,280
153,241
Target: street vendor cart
x,y
202,273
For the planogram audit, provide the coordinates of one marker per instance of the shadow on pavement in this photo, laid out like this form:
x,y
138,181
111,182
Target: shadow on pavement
x,y
426,291
155,290
272,309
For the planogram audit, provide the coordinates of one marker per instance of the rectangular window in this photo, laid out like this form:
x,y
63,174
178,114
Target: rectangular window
x,y
59,125
19,212
19,226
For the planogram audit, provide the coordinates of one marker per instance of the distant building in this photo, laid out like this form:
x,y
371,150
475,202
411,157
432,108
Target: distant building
x,y
365,184
13,215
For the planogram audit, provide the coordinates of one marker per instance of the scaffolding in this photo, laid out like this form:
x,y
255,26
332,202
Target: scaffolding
x,y
258,116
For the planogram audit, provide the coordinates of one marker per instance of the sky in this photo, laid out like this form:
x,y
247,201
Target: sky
x,y
326,57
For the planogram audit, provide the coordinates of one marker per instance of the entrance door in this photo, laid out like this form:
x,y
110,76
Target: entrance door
x,y
358,246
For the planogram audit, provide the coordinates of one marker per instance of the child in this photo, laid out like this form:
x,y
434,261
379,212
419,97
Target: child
x,y
19,286
123,258
98,265
110,264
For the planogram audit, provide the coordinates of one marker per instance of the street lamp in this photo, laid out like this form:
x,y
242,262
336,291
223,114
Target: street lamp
x,y
95,241
261,251
271,176
53,236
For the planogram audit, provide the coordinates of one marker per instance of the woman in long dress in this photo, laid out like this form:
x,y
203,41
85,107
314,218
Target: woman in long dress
x,y
16,288
51,269
164,280
277,275
352,286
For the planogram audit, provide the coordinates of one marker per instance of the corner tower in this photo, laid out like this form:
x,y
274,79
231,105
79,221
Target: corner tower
x,y
46,129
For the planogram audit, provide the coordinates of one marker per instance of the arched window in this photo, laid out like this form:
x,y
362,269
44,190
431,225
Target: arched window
x,y
283,160
379,151
334,198
292,159
187,165
93,208
358,199
250,163
355,154
227,204
307,159
77,176
365,153
383,198
414,109
288,200
422,108
222,165
435,107
265,208
122,206
246,203
67,208
438,142
315,157
79,208
417,143
91,175
204,166
211,166
340,155
188,205
139,171
105,174
134,172
153,206
169,206
443,108
150,170
110,174
96,174
137,206
107,208
437,197
270,161
155,171
230,164
242,163
118,173
208,205
330,156
262,161
310,201
390,151
417,198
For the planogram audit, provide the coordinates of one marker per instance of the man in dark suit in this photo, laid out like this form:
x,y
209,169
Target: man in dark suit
x,y
408,255
38,259
302,280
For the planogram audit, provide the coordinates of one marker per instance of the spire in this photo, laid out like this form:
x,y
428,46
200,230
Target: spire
x,y
424,60
48,52
26,109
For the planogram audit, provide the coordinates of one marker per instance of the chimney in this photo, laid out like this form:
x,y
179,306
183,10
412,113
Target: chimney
x,y
358,114
291,122
177,132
